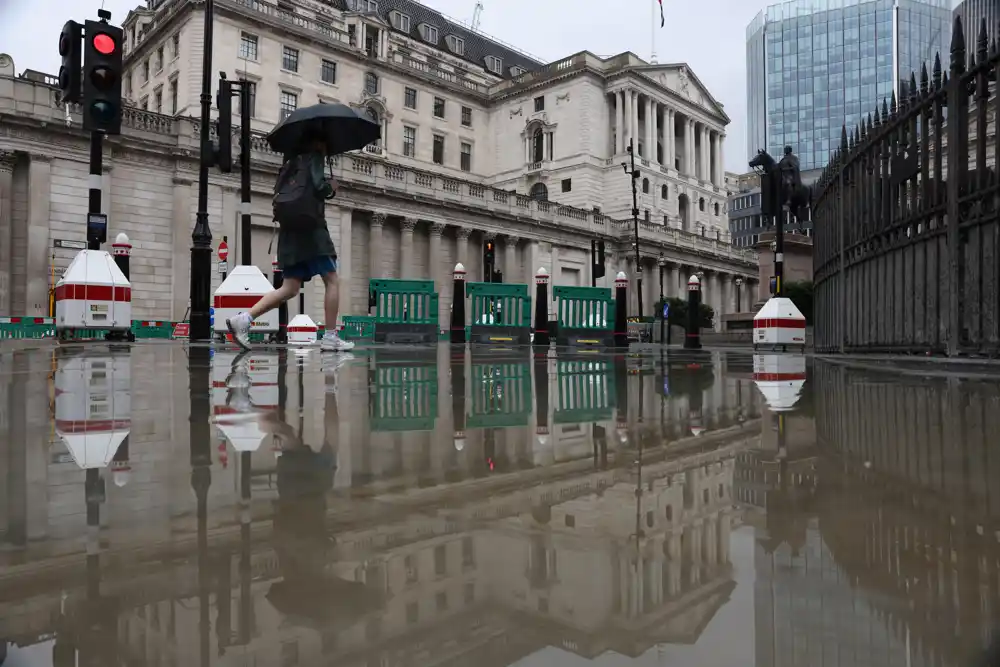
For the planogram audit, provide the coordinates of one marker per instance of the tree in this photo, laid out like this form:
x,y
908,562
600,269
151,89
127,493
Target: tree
x,y
801,294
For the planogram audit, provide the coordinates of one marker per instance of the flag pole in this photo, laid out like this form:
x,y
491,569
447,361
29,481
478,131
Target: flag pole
x,y
652,31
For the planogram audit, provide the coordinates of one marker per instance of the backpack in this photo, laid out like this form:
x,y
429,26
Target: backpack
x,y
296,204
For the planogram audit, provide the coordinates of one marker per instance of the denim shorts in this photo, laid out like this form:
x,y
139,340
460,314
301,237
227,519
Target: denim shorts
x,y
317,266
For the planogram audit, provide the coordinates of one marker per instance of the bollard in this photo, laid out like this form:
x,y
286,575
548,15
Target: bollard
x,y
121,467
692,336
282,335
122,250
621,310
457,336
541,338
458,407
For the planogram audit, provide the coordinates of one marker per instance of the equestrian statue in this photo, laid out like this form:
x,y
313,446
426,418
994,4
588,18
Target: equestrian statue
x,y
781,185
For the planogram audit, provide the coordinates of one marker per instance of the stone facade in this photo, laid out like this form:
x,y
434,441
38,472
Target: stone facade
x,y
405,208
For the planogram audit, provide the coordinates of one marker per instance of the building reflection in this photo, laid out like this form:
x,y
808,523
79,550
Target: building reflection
x,y
294,545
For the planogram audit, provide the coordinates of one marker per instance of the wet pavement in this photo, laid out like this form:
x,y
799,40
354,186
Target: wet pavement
x,y
165,505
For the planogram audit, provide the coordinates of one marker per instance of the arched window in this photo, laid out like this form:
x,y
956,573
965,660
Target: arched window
x,y
716,206
538,145
664,191
645,186
372,113
647,215
371,83
701,204
539,192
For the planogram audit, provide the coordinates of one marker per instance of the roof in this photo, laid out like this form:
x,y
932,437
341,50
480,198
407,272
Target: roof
x,y
477,46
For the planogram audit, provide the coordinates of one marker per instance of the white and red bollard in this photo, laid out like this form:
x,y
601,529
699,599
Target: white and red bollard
x,y
239,292
779,325
93,406
93,293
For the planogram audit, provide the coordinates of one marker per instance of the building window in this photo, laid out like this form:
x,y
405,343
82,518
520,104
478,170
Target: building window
x,y
159,59
517,71
410,98
144,103
290,59
145,71
645,186
466,162
328,71
248,46
371,83
158,100
539,103
664,191
716,206
539,192
494,64
466,116
289,103
176,45
701,204
567,185
173,96
456,44
647,215
253,98
429,33
363,5
538,146
409,141
438,149
439,107
400,21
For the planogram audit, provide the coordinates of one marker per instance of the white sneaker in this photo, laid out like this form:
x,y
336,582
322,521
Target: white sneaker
x,y
332,342
239,326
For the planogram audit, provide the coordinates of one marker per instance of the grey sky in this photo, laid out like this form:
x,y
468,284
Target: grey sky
x,y
707,34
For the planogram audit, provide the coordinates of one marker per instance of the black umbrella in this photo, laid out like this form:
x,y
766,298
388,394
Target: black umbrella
x,y
343,128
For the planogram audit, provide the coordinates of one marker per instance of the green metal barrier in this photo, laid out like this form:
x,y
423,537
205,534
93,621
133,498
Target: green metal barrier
x,y
147,329
586,391
403,393
406,311
358,327
585,316
501,313
501,394
21,328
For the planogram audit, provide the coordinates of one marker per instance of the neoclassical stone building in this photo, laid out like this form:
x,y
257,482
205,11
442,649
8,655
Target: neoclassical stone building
x,y
479,141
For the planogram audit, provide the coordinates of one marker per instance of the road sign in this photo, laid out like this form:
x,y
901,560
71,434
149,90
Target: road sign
x,y
223,252
181,330
71,245
223,266
666,310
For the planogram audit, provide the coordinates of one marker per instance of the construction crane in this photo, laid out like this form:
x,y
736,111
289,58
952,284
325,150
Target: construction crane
x,y
476,15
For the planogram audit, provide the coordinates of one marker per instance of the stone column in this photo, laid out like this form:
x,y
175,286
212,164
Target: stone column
x,y
720,164
650,141
345,274
688,158
407,269
619,123
462,247
37,256
673,282
184,194
442,284
627,95
671,140
635,116
510,271
7,161
375,249
707,151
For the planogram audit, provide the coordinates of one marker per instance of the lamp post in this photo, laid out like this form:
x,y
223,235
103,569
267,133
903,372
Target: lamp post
x,y
633,174
201,237
739,293
662,263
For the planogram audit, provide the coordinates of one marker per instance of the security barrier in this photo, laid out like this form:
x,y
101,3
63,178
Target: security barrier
x,y
501,394
586,391
358,327
406,311
145,329
404,392
585,316
501,313
18,328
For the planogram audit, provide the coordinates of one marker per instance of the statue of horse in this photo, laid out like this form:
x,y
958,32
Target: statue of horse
x,y
789,188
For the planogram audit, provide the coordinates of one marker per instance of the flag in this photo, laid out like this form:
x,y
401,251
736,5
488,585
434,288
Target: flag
x,y
663,21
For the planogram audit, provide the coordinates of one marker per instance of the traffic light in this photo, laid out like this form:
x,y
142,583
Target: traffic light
x,y
597,258
71,50
102,78
489,253
224,158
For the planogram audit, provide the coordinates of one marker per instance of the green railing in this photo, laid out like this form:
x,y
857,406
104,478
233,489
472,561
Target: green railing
x,y
585,315
403,397
586,391
405,310
21,328
501,313
501,395
358,327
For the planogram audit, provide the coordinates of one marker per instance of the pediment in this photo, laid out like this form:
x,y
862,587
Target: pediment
x,y
680,78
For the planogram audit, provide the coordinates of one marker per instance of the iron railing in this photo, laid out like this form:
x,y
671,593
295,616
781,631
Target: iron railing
x,y
907,234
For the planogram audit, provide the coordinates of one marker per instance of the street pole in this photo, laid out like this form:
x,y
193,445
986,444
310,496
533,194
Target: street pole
x,y
739,295
245,224
663,320
201,237
97,223
634,175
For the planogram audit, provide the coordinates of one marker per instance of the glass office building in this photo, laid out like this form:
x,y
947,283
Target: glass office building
x,y
813,65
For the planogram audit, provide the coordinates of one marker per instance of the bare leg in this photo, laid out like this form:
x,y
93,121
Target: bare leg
x,y
331,299
272,300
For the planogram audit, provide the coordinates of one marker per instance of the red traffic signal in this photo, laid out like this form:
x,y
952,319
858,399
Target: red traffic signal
x,y
104,44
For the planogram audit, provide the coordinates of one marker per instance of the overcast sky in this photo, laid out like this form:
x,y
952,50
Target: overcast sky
x,y
707,34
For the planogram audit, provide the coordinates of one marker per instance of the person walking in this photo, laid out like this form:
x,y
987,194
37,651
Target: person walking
x,y
305,249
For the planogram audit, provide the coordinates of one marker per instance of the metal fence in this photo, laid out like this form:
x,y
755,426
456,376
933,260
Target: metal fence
x,y
907,254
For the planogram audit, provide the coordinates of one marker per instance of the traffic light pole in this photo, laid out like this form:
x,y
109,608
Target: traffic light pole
x,y
96,231
245,219
201,237
633,174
